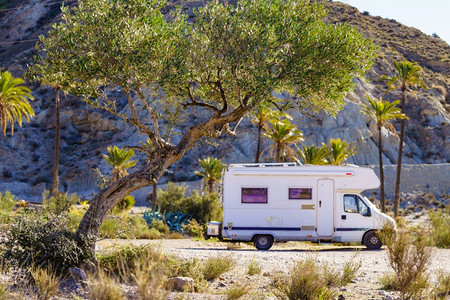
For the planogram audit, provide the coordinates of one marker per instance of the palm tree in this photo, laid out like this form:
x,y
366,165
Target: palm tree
x,y
382,112
118,159
260,118
313,155
338,151
212,171
408,76
283,133
14,103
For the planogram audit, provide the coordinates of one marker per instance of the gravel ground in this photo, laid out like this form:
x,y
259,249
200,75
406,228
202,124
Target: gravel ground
x,y
282,257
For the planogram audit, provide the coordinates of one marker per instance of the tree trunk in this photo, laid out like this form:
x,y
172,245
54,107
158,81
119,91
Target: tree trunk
x,y
55,183
155,167
210,186
258,145
154,194
380,157
399,159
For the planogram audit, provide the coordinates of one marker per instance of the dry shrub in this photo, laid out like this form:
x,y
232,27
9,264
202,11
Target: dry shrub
x,y
213,267
46,281
104,287
409,258
253,267
442,288
237,291
149,279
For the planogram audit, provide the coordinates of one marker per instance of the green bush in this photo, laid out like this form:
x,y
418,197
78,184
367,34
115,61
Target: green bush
x,y
7,201
194,229
202,208
125,204
44,240
440,233
171,199
62,202
126,227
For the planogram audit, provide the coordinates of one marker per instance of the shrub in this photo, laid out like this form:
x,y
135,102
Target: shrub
x,y
306,281
104,287
442,288
59,203
161,227
350,271
126,227
204,208
125,204
149,279
44,241
237,291
253,267
409,258
194,229
7,201
213,267
46,281
440,233
171,199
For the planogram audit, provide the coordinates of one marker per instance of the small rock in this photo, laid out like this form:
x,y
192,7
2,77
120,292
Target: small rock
x,y
180,284
389,298
382,293
341,297
88,267
77,274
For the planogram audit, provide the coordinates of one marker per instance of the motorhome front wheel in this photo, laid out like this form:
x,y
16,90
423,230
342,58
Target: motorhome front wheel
x,y
371,240
263,242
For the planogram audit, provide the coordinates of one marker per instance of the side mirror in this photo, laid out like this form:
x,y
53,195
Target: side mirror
x,y
369,213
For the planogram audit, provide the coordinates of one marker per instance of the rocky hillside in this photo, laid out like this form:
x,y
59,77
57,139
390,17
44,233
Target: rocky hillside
x,y
26,157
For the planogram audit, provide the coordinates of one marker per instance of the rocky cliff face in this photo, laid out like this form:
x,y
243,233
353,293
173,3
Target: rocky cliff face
x,y
26,157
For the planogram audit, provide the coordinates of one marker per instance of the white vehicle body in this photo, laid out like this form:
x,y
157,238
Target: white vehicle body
x,y
286,202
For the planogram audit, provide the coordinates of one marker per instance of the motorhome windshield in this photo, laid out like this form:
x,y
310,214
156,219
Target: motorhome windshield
x,y
369,203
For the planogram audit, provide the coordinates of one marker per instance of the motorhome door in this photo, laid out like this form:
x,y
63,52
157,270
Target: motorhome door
x,y
325,207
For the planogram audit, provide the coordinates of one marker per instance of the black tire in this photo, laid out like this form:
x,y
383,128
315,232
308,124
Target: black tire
x,y
372,241
263,241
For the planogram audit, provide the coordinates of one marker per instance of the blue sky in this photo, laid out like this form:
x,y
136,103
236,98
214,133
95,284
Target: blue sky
x,y
429,16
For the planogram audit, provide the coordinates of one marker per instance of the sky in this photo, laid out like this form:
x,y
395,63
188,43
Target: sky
x,y
429,16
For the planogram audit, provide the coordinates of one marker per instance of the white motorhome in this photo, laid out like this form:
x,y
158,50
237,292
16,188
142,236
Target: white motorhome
x,y
264,203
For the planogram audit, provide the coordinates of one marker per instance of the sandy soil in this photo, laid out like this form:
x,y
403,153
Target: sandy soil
x,y
282,257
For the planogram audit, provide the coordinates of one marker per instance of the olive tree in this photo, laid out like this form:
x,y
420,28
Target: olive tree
x,y
225,63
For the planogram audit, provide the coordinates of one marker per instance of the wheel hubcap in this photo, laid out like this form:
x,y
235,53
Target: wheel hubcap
x,y
374,240
263,241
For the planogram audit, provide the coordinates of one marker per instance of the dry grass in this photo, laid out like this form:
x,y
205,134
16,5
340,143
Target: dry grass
x,y
253,267
237,291
46,281
409,258
213,267
104,287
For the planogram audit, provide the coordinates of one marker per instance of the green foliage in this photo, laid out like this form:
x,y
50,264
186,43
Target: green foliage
x,y
7,201
213,267
14,105
127,227
174,220
339,151
116,259
171,199
62,202
237,291
119,159
203,208
409,258
126,203
407,77
44,240
440,232
212,171
194,229
282,133
382,112
313,155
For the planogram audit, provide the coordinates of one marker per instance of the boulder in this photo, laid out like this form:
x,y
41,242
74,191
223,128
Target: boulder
x,y
78,274
180,284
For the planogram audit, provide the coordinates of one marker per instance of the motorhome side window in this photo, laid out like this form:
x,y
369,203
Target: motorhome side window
x,y
253,195
354,204
300,193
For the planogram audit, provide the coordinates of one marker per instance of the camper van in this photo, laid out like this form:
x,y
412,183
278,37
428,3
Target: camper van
x,y
264,203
